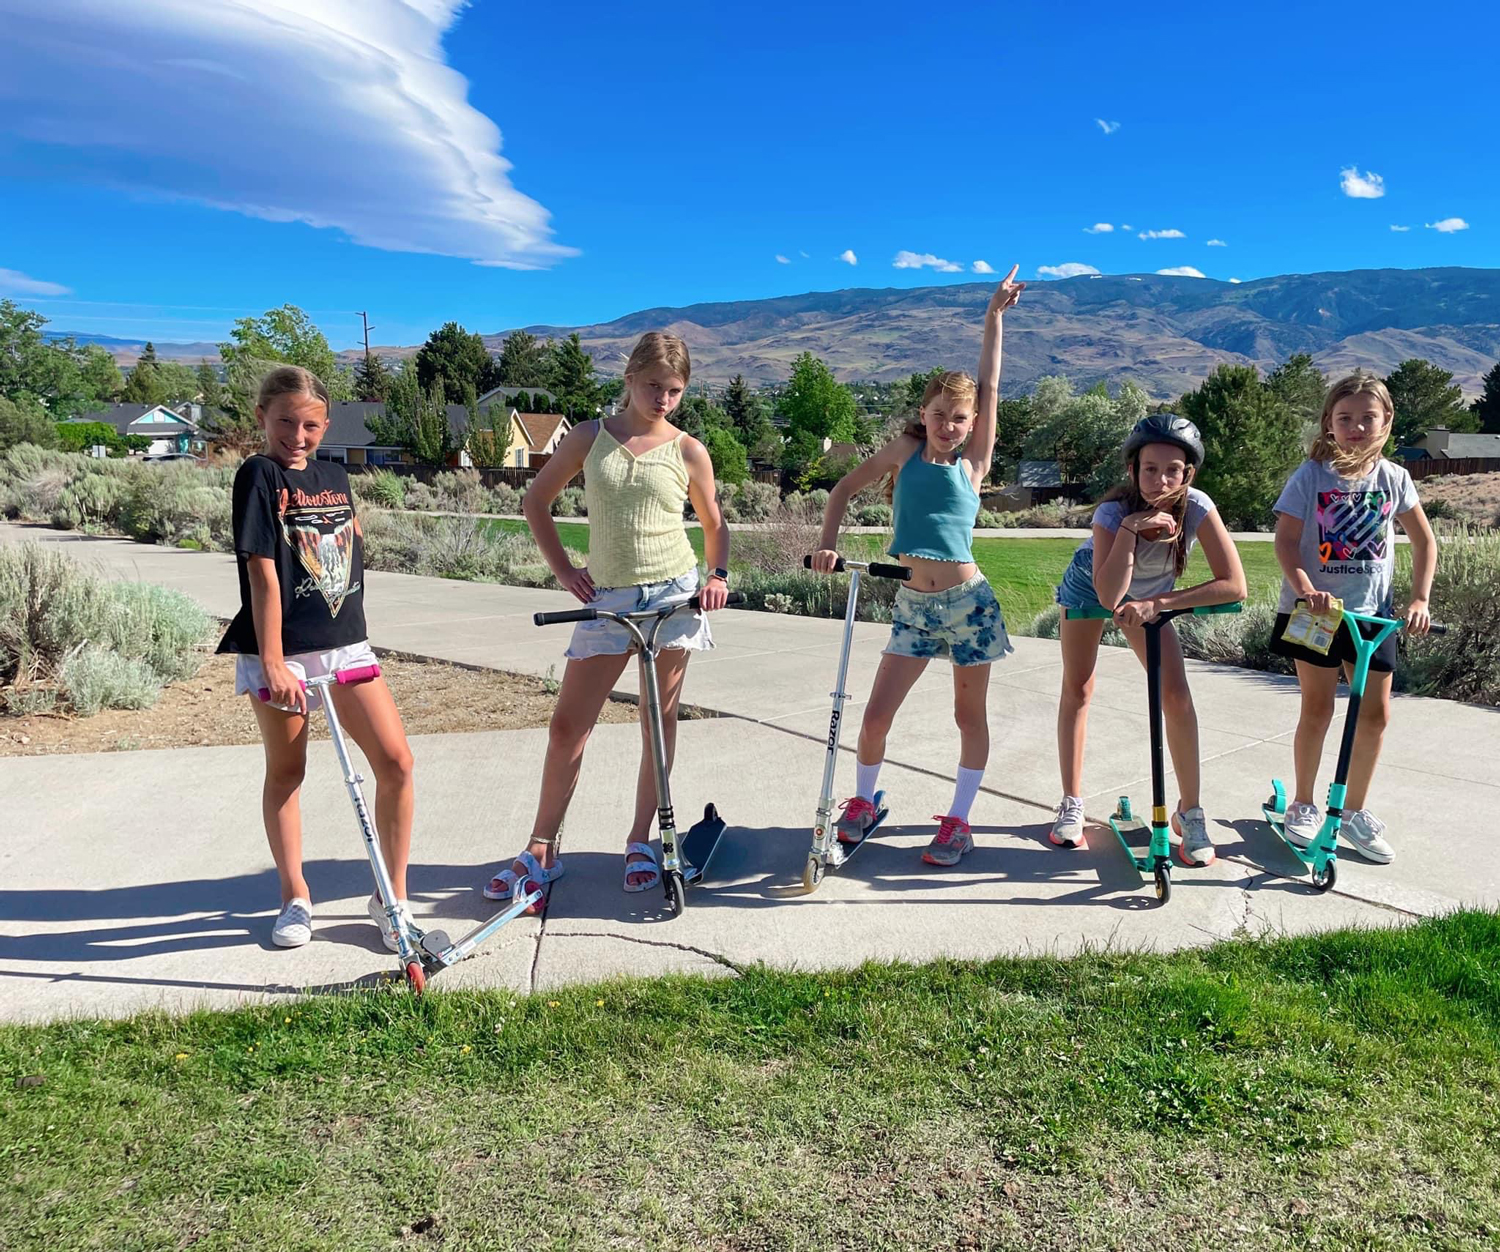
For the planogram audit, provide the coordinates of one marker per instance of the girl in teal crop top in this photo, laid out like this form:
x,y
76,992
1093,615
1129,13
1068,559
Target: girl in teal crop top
x,y
947,608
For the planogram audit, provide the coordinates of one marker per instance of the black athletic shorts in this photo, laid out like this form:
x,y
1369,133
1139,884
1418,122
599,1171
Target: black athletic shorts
x,y
1340,651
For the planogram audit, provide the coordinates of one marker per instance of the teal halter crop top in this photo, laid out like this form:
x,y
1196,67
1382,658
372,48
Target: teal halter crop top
x,y
935,507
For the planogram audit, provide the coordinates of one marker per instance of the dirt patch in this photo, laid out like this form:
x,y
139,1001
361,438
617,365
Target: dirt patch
x,y
435,698
1473,497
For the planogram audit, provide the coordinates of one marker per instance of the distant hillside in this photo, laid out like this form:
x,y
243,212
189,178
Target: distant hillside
x,y
128,351
1165,333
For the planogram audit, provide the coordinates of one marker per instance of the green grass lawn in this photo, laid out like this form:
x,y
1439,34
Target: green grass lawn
x,y
1337,1091
1023,572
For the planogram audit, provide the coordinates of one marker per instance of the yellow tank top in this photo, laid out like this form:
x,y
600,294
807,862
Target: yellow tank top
x,y
636,531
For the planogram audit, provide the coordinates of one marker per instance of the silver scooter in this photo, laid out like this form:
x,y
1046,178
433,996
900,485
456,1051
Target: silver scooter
x,y
682,862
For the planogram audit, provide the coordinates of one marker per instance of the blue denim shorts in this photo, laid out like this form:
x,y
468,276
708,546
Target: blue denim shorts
x,y
1076,591
963,622
687,629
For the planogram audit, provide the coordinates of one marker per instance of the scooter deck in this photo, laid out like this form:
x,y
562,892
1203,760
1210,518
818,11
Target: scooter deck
x,y
698,846
1134,834
1320,856
847,850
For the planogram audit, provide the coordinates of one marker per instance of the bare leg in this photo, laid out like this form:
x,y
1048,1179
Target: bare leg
x,y
1374,717
971,687
671,668
1179,717
893,680
1318,685
285,738
586,685
1080,654
369,715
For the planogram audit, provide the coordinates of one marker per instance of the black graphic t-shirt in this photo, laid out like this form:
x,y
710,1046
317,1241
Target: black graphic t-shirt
x,y
304,521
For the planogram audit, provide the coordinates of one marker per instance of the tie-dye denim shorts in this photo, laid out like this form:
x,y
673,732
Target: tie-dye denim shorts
x,y
963,623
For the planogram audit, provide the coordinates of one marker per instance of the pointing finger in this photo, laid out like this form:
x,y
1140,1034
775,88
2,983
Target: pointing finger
x,y
1014,270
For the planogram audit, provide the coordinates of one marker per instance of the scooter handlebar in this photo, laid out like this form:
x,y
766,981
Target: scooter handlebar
x,y
875,569
592,615
344,678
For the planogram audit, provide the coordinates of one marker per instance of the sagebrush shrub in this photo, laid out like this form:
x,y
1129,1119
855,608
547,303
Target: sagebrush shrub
x,y
382,488
95,679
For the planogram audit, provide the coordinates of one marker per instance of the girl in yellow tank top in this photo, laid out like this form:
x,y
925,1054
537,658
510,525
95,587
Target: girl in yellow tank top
x,y
639,470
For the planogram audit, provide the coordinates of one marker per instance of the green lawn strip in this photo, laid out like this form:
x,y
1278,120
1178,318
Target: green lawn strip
x,y
1341,1090
1023,572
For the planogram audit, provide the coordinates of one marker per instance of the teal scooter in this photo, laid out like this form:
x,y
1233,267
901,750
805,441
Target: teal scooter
x,y
1321,855
1158,858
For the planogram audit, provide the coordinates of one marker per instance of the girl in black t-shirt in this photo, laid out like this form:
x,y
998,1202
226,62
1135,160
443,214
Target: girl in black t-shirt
x,y
301,566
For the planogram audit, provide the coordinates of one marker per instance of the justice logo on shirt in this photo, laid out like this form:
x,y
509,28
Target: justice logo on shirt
x,y
1352,525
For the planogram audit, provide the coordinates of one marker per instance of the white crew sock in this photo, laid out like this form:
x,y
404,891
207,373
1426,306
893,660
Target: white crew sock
x,y
864,779
965,791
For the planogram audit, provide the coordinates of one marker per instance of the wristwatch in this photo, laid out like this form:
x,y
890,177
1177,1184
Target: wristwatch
x,y
719,572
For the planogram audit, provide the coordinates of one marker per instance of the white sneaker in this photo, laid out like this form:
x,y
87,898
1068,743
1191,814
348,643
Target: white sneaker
x,y
376,911
1365,831
1196,848
1302,823
1067,830
294,927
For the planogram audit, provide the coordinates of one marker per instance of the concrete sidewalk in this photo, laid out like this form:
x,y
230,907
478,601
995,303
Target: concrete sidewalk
x,y
151,886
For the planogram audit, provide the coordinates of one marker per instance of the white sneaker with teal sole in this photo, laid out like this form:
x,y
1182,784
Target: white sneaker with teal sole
x,y
1302,823
1367,833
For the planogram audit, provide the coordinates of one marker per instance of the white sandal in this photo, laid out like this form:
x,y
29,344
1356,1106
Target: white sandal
x,y
648,866
503,885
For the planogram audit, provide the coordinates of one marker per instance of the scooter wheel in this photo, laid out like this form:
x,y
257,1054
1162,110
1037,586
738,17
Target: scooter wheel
x,y
1324,881
416,977
676,893
1163,883
812,873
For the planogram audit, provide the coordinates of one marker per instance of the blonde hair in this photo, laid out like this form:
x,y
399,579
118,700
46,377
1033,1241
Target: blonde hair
x,y
291,380
1352,463
657,347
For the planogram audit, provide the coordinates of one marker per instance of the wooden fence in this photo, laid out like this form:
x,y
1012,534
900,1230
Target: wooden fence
x,y
1432,467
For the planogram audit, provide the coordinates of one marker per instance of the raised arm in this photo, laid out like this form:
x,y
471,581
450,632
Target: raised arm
x,y
981,445
1228,581
888,460
536,507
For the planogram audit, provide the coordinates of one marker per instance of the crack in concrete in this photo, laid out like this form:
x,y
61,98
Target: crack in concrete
x,y
717,957
1332,891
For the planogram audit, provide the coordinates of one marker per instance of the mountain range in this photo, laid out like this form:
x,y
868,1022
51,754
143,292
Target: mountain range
x,y
1164,332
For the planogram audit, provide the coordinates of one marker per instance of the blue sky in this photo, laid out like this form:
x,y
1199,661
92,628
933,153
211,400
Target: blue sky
x,y
166,166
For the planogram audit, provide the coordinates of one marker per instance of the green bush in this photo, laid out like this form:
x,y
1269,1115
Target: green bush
x,y
453,547
504,499
54,610
748,501
1464,663
95,679
168,503
569,503
89,502
420,497
382,488
460,491
814,595
988,519
873,515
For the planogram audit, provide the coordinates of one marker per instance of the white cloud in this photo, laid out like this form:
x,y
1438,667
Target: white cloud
x,y
783,259
1162,234
1234,280
15,283
1108,128
1068,269
848,257
1217,243
803,255
340,114
1099,228
1126,226
1448,225
1367,187
1182,271
917,260
982,267
1403,229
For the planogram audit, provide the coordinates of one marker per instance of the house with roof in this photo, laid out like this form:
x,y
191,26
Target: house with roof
x,y
349,439
169,430
1442,444
534,437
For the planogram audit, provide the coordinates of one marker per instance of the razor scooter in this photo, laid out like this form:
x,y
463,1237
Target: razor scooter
x,y
420,952
685,863
1158,858
1321,854
827,852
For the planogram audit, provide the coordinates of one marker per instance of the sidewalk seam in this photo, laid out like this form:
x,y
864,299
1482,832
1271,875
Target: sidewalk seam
x,y
716,957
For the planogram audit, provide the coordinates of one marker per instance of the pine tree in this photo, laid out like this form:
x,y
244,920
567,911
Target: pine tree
x,y
210,390
571,377
1425,397
148,357
372,381
1487,407
522,361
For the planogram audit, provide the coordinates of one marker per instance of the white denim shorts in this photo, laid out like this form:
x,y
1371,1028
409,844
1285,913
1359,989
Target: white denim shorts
x,y
250,677
686,629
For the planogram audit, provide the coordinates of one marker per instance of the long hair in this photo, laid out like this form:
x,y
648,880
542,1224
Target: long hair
x,y
1174,502
657,347
1349,462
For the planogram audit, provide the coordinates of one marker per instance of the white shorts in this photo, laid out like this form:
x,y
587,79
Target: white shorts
x,y
250,677
686,629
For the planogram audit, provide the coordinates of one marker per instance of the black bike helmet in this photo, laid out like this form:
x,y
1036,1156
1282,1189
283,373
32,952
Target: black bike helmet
x,y
1166,428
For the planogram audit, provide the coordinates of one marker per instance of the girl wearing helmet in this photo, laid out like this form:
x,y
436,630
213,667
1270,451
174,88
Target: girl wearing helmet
x,y
1142,535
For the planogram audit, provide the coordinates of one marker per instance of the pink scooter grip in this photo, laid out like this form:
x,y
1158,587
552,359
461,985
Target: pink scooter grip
x,y
359,674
